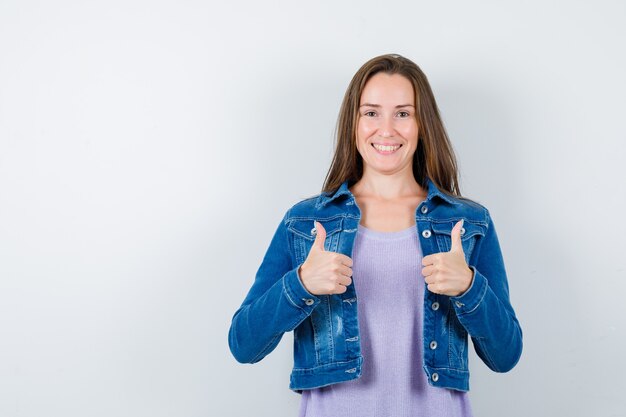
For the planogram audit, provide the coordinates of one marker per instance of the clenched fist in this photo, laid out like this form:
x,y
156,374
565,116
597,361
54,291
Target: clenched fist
x,y
325,272
447,273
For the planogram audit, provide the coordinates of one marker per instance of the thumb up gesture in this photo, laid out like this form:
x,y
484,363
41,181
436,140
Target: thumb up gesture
x,y
447,273
325,272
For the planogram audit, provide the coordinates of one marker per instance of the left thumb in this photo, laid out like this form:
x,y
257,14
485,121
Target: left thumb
x,y
456,245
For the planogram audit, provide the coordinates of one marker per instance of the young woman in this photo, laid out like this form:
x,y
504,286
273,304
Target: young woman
x,y
386,273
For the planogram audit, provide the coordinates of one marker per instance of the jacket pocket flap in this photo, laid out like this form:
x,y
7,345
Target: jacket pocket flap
x,y
471,229
304,227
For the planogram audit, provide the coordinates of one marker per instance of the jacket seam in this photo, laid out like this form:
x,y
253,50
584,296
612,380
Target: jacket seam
x,y
265,348
487,355
315,217
324,365
479,301
449,219
289,245
288,296
263,351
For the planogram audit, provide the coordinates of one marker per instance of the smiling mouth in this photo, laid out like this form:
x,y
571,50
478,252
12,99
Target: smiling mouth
x,y
386,149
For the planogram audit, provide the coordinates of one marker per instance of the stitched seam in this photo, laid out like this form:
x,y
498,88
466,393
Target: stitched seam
x,y
316,217
288,296
486,214
326,365
330,323
452,219
289,241
307,235
297,321
343,215
450,337
478,303
316,341
463,366
264,350
486,352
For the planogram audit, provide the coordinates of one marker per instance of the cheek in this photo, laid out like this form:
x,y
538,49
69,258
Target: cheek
x,y
410,132
365,129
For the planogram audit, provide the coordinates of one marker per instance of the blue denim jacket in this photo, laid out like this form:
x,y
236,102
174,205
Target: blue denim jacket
x,y
327,348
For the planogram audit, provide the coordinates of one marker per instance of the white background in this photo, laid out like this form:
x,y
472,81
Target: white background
x,y
148,150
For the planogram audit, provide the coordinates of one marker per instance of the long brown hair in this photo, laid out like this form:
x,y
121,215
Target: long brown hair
x,y
434,157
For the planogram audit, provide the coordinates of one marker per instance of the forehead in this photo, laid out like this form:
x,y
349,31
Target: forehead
x,y
384,88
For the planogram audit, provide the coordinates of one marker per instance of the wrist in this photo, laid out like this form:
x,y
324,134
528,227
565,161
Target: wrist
x,y
470,281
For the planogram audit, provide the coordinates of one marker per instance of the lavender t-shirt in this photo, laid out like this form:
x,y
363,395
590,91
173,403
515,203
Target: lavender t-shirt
x,y
387,274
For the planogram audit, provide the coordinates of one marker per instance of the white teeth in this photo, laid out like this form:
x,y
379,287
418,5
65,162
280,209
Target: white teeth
x,y
386,148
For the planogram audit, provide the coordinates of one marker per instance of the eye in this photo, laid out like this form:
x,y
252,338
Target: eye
x,y
368,112
404,114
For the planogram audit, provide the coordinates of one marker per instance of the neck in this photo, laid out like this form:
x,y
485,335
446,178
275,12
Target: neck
x,y
388,187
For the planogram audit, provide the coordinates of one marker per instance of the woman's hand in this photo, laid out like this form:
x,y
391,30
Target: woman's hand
x,y
325,272
447,273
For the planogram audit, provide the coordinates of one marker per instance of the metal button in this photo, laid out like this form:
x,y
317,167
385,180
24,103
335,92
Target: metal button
x,y
459,304
424,209
313,231
435,377
309,301
433,345
426,233
435,306
462,230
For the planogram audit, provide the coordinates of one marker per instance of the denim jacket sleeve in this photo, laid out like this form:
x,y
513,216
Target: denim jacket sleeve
x,y
485,309
276,303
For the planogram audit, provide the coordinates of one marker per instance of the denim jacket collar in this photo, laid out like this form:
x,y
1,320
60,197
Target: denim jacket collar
x,y
433,191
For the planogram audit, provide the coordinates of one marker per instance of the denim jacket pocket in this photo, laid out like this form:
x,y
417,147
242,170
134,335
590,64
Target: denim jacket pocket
x,y
303,234
470,233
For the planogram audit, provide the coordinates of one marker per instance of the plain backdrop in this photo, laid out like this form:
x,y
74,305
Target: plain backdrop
x,y
148,150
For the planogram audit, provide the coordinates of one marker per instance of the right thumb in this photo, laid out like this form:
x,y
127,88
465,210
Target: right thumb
x,y
320,236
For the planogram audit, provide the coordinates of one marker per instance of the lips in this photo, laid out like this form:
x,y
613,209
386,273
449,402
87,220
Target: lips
x,y
386,148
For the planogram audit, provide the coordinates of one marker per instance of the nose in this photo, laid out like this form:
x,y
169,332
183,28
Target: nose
x,y
386,128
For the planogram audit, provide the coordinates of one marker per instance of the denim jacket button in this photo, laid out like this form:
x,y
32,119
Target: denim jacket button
x,y
459,304
426,233
435,306
433,345
313,231
309,301
462,231
424,209
435,377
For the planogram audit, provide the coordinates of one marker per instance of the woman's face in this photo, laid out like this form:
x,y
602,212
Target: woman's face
x,y
387,127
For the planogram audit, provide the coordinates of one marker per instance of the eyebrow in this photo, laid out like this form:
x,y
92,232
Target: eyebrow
x,y
378,105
